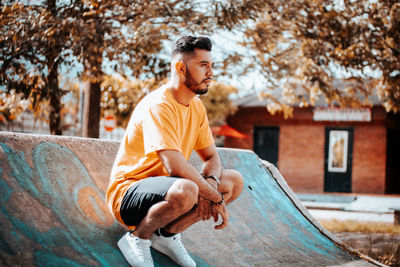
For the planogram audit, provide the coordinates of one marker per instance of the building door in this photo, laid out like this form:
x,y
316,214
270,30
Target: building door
x,y
338,159
266,140
392,161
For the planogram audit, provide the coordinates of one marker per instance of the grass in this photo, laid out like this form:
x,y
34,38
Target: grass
x,y
387,255
360,227
391,259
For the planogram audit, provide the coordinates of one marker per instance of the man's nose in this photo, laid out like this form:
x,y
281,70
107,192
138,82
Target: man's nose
x,y
210,72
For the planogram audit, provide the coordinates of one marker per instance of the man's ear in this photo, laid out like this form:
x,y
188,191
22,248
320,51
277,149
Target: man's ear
x,y
180,67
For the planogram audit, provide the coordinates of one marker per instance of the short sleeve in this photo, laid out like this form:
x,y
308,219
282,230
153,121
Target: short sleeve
x,y
205,137
159,130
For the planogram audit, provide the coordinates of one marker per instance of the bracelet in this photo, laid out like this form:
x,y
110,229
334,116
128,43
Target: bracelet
x,y
221,201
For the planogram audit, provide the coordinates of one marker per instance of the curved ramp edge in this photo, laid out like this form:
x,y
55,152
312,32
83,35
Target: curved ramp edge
x,y
296,201
267,227
53,211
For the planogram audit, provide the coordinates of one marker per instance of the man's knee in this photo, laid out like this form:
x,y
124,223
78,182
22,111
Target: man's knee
x,y
238,178
232,181
234,177
183,194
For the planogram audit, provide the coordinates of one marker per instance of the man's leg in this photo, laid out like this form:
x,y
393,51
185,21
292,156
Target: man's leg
x,y
175,214
231,186
180,199
151,204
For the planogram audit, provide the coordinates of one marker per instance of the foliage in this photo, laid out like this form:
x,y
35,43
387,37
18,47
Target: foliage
x,y
30,55
300,47
120,96
37,40
70,112
24,44
218,103
11,105
303,47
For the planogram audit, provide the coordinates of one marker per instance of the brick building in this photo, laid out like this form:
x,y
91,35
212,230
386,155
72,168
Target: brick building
x,y
324,150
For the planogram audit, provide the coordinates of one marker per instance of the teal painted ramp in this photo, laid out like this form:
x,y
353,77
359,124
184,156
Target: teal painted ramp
x,y
53,212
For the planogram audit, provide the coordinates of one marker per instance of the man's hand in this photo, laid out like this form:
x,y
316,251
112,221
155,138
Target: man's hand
x,y
177,166
212,182
223,211
204,209
204,206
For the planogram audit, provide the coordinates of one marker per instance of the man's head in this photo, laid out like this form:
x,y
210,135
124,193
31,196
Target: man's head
x,y
187,44
192,61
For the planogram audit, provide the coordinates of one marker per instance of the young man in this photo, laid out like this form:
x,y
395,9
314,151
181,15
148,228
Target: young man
x,y
153,188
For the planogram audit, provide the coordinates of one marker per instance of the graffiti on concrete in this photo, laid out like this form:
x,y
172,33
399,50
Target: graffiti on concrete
x,y
274,214
54,210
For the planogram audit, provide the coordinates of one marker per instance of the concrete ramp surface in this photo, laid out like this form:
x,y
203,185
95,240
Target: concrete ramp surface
x,y
53,212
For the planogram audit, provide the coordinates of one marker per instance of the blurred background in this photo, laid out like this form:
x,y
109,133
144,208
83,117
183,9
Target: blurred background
x,y
310,86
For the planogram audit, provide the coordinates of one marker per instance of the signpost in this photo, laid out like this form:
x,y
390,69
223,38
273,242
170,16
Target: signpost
x,y
110,122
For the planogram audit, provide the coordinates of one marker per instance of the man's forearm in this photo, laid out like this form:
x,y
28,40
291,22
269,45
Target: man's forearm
x,y
206,190
178,166
212,167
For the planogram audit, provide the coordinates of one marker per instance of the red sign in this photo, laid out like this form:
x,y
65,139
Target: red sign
x,y
226,130
110,122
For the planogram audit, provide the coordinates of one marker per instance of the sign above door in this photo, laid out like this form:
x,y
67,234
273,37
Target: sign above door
x,y
342,114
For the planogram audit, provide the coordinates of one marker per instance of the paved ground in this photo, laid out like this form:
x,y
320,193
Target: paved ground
x,y
53,212
348,215
351,207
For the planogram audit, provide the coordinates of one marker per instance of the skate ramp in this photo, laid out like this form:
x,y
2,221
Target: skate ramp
x,y
53,212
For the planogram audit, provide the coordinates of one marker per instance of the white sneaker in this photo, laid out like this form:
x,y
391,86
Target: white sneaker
x,y
173,248
136,250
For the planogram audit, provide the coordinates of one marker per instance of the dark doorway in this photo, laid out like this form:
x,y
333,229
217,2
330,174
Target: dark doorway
x,y
266,143
392,162
338,159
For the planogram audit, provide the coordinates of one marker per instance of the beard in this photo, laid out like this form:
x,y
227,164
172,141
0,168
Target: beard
x,y
194,86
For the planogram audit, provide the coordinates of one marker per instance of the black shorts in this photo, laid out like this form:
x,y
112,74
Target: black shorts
x,y
141,196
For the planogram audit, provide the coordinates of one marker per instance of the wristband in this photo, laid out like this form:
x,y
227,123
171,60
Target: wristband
x,y
221,201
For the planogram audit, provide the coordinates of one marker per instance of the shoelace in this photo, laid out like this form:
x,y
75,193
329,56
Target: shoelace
x,y
141,253
178,241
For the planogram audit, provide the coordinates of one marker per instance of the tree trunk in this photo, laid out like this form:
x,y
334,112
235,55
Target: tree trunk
x,y
91,110
55,115
54,90
54,99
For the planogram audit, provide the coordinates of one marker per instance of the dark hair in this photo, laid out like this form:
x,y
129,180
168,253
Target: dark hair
x,y
187,44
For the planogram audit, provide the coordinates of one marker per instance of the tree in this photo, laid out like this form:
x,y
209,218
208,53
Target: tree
x,y
303,47
218,103
132,34
31,53
120,96
129,34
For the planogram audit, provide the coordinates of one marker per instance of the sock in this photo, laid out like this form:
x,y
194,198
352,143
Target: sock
x,y
162,232
131,231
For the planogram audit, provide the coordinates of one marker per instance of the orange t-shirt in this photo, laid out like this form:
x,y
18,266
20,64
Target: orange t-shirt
x,y
158,122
